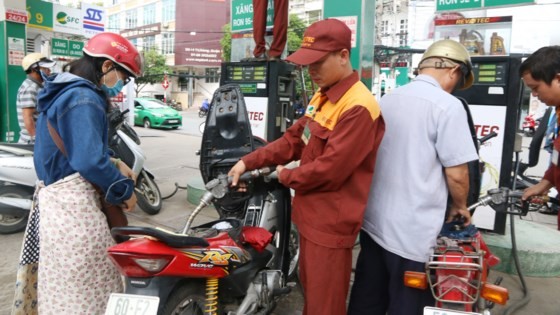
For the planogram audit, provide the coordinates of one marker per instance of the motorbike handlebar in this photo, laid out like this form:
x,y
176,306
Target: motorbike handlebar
x,y
254,173
487,137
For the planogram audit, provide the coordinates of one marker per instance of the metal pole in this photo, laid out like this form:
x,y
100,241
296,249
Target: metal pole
x,y
191,82
130,95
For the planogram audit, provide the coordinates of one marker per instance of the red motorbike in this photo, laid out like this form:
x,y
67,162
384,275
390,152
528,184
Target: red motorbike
x,y
457,270
225,266
530,124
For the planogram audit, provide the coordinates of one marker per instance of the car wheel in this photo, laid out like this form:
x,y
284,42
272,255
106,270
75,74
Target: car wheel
x,y
147,123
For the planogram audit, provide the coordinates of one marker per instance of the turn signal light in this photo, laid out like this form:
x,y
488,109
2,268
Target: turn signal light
x,y
415,279
495,293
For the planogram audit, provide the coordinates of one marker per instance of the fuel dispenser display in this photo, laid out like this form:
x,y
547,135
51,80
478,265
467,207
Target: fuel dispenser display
x,y
494,101
268,89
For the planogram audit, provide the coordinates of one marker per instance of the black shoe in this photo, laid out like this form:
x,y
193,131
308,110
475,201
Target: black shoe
x,y
261,57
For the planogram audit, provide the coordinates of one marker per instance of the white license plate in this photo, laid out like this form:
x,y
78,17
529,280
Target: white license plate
x,y
441,311
130,304
173,121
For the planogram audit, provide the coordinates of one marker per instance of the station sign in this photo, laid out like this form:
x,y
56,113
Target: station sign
x,y
40,14
87,21
16,15
242,15
458,5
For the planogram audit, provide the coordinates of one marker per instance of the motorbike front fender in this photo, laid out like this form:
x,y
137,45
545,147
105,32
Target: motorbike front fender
x,y
15,206
147,172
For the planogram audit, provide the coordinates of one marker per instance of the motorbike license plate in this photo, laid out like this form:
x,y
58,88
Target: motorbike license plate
x,y
130,304
441,311
173,121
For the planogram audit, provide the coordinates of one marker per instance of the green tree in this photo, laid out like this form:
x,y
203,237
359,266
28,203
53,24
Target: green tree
x,y
295,32
295,35
154,69
225,42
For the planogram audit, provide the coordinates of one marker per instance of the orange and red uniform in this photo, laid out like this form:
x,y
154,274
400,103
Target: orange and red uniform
x,y
336,142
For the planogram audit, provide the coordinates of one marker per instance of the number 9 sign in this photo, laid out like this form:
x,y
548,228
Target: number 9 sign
x,y
40,13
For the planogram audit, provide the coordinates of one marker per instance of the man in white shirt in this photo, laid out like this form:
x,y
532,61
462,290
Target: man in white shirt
x,y
421,161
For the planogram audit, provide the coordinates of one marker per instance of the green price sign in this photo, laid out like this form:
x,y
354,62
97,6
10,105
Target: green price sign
x,y
59,47
497,3
75,48
242,15
63,47
40,14
248,88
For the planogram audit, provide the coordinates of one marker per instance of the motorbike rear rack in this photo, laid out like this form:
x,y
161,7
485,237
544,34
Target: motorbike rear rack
x,y
456,266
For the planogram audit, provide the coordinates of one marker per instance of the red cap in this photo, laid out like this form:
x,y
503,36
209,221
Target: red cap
x,y
321,38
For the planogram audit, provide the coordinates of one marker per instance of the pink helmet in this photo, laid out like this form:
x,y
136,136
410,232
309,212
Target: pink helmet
x,y
116,48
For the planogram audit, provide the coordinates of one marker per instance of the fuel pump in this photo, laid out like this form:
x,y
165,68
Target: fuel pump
x,y
268,88
494,101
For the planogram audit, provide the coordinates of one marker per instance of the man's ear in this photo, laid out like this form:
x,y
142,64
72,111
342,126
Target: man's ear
x,y
345,56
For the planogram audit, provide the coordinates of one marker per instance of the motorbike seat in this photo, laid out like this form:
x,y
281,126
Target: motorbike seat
x,y
167,237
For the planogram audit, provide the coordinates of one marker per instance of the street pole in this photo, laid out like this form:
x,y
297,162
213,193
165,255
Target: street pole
x,y
130,95
190,91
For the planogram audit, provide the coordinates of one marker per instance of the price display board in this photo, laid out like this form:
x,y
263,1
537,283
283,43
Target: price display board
x,y
251,73
490,73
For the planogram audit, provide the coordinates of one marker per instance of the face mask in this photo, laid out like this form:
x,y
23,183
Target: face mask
x,y
115,89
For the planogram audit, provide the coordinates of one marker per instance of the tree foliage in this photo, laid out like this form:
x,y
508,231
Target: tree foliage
x,y
154,69
295,32
225,42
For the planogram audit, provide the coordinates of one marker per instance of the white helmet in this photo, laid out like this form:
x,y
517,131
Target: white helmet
x,y
36,59
455,51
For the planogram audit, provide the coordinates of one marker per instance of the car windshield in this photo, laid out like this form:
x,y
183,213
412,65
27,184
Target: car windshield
x,y
152,104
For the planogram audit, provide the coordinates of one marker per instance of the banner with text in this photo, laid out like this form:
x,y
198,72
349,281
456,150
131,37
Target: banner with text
x,y
458,5
242,15
88,21
94,19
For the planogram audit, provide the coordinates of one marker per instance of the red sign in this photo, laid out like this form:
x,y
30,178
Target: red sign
x,y
165,82
17,16
119,98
